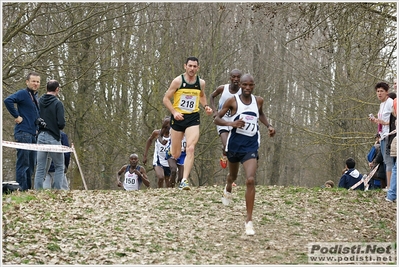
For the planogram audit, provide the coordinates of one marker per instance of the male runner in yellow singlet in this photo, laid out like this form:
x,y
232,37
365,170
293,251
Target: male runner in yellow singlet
x,y
187,91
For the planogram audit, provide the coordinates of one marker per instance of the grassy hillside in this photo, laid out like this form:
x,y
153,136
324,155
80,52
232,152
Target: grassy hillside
x,y
168,226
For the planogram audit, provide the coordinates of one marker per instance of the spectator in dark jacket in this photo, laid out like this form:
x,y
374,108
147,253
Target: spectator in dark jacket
x,y
52,112
351,176
380,174
23,107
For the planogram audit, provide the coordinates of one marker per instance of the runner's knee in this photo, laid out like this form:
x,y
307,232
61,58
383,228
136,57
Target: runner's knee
x,y
190,149
250,181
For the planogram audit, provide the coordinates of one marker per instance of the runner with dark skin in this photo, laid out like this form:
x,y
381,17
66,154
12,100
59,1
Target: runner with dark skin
x,y
234,87
154,135
133,159
247,158
160,134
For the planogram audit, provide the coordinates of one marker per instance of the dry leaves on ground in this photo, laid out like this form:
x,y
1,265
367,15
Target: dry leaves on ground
x,y
168,226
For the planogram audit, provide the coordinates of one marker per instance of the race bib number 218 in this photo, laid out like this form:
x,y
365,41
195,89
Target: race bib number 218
x,y
187,102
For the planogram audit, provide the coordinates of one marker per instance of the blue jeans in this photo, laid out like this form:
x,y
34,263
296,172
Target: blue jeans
x,y
388,160
49,181
58,160
391,195
26,161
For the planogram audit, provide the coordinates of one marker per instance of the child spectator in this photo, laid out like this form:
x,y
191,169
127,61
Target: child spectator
x,y
329,184
351,176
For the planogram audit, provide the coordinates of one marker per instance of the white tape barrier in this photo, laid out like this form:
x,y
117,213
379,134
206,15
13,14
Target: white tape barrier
x,y
365,179
48,148
38,147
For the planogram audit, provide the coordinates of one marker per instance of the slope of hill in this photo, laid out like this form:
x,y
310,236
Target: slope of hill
x,y
168,226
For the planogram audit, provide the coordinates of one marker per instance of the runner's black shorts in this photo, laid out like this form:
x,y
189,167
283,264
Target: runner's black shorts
x,y
189,120
166,170
235,157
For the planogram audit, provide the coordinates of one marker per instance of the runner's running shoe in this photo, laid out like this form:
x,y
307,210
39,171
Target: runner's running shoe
x,y
167,154
249,228
184,185
223,162
227,197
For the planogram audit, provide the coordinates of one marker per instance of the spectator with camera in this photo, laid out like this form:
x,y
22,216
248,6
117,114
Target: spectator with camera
x,y
52,112
383,122
23,106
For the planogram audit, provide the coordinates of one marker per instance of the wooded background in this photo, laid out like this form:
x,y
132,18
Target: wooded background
x,y
315,65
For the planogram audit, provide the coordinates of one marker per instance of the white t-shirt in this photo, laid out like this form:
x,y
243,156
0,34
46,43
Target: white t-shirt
x,y
384,114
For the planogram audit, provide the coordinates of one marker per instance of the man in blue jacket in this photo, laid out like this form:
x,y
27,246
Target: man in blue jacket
x,y
23,106
351,176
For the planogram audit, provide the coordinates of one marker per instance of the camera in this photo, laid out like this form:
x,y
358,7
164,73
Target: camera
x,y
371,116
41,123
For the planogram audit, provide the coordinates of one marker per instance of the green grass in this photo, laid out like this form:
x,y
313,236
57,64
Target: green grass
x,y
12,200
155,248
265,220
120,254
18,198
53,247
170,235
295,224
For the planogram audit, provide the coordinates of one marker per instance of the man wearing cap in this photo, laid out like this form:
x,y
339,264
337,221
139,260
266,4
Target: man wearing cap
x,y
52,113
